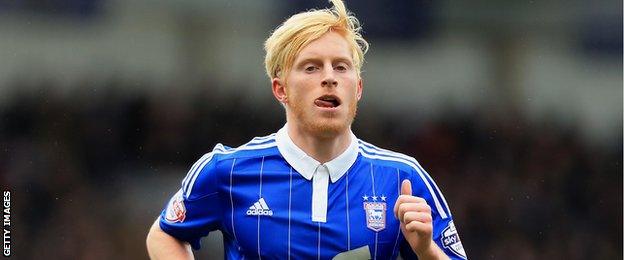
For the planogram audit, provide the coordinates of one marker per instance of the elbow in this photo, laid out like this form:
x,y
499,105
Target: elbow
x,y
153,236
161,245
150,238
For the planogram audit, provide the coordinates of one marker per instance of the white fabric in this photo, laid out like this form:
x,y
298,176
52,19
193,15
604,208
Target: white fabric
x,y
311,169
320,181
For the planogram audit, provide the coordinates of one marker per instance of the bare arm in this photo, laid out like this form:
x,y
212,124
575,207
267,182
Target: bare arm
x,y
161,245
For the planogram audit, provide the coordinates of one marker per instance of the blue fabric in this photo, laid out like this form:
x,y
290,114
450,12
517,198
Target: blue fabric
x,y
222,191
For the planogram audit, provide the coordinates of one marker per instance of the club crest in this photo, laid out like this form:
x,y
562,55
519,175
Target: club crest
x,y
375,213
176,212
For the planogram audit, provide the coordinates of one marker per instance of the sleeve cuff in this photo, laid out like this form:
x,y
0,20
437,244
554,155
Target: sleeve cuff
x,y
180,235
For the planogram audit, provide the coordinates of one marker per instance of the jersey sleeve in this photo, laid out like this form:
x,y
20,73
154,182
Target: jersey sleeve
x,y
193,210
445,234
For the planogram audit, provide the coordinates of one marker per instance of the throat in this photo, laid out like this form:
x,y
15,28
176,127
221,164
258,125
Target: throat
x,y
322,149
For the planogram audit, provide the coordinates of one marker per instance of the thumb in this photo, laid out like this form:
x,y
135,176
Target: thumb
x,y
406,187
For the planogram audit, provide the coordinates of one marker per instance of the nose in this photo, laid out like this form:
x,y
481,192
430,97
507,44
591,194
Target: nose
x,y
328,78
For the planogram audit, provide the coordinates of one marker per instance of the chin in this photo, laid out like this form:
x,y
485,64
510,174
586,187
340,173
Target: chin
x,y
324,126
329,127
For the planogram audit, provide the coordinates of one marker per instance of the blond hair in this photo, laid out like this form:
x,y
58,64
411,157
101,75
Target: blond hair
x,y
299,30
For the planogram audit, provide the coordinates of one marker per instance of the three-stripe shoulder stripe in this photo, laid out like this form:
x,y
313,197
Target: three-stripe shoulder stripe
x,y
260,140
193,173
196,168
373,152
264,138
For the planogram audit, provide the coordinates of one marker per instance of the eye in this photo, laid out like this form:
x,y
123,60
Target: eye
x,y
310,68
341,66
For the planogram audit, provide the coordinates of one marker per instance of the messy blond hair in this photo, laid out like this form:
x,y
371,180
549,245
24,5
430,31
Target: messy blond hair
x,y
299,30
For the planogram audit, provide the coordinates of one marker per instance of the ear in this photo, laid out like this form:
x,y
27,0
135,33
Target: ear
x,y
359,89
279,90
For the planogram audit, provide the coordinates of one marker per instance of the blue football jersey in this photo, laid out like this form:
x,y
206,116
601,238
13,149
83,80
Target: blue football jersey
x,y
271,200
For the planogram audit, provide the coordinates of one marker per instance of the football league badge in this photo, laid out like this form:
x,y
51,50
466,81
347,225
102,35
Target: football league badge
x,y
450,240
176,212
375,213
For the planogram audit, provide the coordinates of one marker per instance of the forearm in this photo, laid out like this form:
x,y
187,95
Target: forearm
x,y
434,252
161,245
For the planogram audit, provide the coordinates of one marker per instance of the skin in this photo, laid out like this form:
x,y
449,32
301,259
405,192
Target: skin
x,y
323,67
414,215
161,245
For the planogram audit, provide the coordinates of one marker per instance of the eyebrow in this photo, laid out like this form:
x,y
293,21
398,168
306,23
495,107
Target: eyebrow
x,y
317,60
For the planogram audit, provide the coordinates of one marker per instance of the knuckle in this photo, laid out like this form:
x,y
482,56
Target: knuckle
x,y
400,210
429,229
404,207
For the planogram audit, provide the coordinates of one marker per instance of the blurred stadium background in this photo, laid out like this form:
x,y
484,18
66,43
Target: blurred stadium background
x,y
515,108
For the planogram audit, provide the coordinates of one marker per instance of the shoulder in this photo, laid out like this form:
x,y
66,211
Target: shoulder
x,y
207,171
422,183
385,157
257,147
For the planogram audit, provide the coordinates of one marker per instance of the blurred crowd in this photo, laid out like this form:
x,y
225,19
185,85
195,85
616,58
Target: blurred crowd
x,y
518,188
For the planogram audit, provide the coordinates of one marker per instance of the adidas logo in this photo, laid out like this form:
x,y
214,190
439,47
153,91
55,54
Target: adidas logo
x,y
260,208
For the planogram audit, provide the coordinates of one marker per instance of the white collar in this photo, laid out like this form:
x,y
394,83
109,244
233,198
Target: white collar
x,y
306,165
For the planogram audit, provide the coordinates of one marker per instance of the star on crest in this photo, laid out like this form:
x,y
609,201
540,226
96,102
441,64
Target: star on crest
x,y
365,197
383,198
374,198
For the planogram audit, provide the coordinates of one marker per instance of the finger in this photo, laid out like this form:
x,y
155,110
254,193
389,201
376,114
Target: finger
x,y
422,217
412,207
406,199
419,227
406,187
405,207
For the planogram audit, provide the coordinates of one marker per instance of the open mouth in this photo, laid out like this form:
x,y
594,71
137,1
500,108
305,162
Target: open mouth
x,y
327,101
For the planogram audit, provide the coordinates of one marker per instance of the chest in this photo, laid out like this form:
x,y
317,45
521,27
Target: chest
x,y
271,216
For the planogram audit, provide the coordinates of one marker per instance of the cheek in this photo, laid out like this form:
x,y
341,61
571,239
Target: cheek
x,y
299,89
295,95
352,90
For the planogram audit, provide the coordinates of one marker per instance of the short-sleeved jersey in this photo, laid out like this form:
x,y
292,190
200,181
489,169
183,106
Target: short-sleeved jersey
x,y
259,196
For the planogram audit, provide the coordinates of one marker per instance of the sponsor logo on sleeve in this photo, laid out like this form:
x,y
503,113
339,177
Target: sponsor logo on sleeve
x,y
450,240
176,212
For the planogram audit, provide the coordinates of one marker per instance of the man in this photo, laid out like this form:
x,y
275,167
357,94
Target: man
x,y
312,190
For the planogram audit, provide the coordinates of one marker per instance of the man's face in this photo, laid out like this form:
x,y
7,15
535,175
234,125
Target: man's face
x,y
322,88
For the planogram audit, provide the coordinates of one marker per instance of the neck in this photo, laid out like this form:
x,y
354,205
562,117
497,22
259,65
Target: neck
x,y
321,148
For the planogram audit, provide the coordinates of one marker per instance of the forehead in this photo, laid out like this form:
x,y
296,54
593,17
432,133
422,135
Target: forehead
x,y
331,45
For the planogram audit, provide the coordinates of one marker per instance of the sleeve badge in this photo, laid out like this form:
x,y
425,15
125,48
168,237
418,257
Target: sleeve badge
x,y
450,240
176,212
